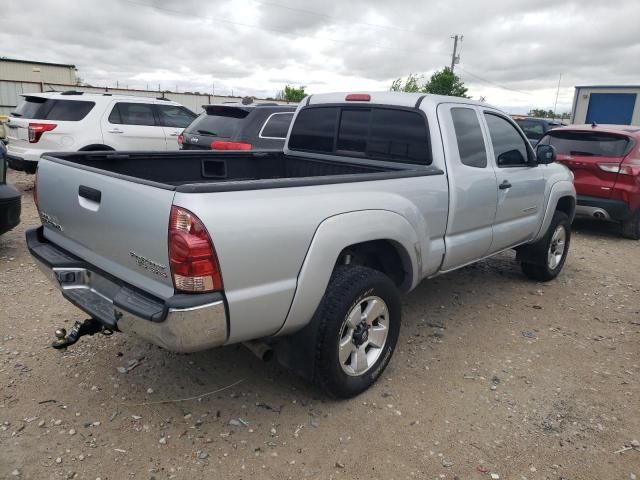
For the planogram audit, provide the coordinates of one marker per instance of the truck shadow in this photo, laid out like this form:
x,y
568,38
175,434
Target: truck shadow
x,y
597,229
440,302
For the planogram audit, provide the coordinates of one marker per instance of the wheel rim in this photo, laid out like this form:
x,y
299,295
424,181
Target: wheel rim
x,y
557,247
363,336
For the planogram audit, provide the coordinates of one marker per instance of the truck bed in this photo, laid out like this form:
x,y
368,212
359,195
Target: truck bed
x,y
197,171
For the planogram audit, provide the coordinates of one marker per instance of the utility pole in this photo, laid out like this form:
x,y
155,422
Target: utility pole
x,y
455,57
555,105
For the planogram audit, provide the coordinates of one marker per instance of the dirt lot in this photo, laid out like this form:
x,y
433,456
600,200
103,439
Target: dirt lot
x,y
493,374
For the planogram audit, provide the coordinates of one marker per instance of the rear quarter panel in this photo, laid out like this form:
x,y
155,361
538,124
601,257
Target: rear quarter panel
x,y
262,238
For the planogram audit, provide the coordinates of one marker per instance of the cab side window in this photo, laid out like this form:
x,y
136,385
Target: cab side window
x,y
509,148
471,147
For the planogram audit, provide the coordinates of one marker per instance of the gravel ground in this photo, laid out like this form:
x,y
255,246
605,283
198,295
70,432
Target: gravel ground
x,y
493,375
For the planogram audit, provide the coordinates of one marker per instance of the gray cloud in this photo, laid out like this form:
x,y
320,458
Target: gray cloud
x,y
513,50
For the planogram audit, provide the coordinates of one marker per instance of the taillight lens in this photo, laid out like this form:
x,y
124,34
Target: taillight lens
x,y
192,258
37,129
181,139
622,169
222,145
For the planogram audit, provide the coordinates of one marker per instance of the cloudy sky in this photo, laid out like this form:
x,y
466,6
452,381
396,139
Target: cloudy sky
x,y
513,51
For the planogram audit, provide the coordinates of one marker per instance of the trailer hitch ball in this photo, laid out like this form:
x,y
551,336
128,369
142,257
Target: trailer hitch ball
x,y
90,326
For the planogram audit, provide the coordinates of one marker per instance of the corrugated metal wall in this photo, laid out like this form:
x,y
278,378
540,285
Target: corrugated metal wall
x,y
10,94
24,71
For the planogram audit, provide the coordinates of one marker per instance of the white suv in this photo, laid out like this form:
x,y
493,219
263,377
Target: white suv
x,y
68,121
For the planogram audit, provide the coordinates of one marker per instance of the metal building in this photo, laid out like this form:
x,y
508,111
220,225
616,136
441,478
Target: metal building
x,y
606,104
38,72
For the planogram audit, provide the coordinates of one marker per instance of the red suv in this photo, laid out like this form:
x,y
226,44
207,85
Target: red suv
x,y
605,160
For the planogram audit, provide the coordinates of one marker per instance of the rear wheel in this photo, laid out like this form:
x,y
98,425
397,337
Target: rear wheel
x,y
544,259
631,228
358,325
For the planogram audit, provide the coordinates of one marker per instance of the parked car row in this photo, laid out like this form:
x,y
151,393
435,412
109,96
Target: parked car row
x,y
79,121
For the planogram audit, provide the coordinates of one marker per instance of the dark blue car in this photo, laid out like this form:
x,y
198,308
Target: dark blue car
x,y
9,197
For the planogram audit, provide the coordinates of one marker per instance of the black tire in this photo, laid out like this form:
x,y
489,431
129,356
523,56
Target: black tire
x,y
348,287
631,228
535,264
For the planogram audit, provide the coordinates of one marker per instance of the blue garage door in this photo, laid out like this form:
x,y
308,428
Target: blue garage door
x,y
614,108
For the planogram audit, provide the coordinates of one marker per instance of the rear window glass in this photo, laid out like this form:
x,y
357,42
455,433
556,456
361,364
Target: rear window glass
x,y
277,125
588,144
37,108
531,128
314,130
218,122
376,133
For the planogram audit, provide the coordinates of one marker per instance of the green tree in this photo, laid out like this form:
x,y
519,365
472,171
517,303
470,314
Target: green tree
x,y
442,82
291,94
410,85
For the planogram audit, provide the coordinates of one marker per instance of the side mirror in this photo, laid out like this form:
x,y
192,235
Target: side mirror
x,y
545,154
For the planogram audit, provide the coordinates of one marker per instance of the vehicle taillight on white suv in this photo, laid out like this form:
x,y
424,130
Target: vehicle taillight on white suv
x,y
37,129
192,258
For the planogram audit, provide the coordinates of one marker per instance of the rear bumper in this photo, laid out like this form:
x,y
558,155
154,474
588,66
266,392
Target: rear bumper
x,y
10,206
19,163
603,208
182,323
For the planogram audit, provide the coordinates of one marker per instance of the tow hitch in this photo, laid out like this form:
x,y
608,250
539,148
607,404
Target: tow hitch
x,y
89,327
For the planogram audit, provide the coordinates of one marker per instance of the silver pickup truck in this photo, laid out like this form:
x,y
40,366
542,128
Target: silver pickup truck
x,y
302,253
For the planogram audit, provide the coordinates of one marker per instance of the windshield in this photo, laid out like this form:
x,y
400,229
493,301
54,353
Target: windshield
x,y
220,123
587,144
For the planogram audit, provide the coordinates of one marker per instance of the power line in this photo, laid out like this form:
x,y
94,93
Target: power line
x,y
492,82
288,33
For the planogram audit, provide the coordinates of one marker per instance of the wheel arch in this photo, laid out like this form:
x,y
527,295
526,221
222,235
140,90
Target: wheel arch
x,y
96,147
562,197
382,235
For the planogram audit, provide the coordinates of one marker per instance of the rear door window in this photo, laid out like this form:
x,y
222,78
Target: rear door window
x,y
125,113
587,144
509,148
277,125
376,133
471,147
38,108
218,122
175,116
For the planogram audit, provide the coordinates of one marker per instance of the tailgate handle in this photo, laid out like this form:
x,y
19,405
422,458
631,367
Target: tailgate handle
x,y
90,193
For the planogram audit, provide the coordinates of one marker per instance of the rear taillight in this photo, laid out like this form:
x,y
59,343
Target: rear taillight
x,y
622,169
222,145
192,258
181,139
37,129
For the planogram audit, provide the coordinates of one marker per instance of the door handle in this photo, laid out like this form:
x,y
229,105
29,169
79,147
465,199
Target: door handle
x,y
504,185
90,193
115,130
174,134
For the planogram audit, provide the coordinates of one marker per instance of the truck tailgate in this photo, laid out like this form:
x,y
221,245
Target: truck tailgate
x,y
115,224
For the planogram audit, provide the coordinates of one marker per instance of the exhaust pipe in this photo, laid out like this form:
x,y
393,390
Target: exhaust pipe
x,y
260,349
599,214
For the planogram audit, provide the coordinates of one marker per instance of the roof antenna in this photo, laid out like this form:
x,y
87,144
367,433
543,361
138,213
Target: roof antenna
x,y
593,124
